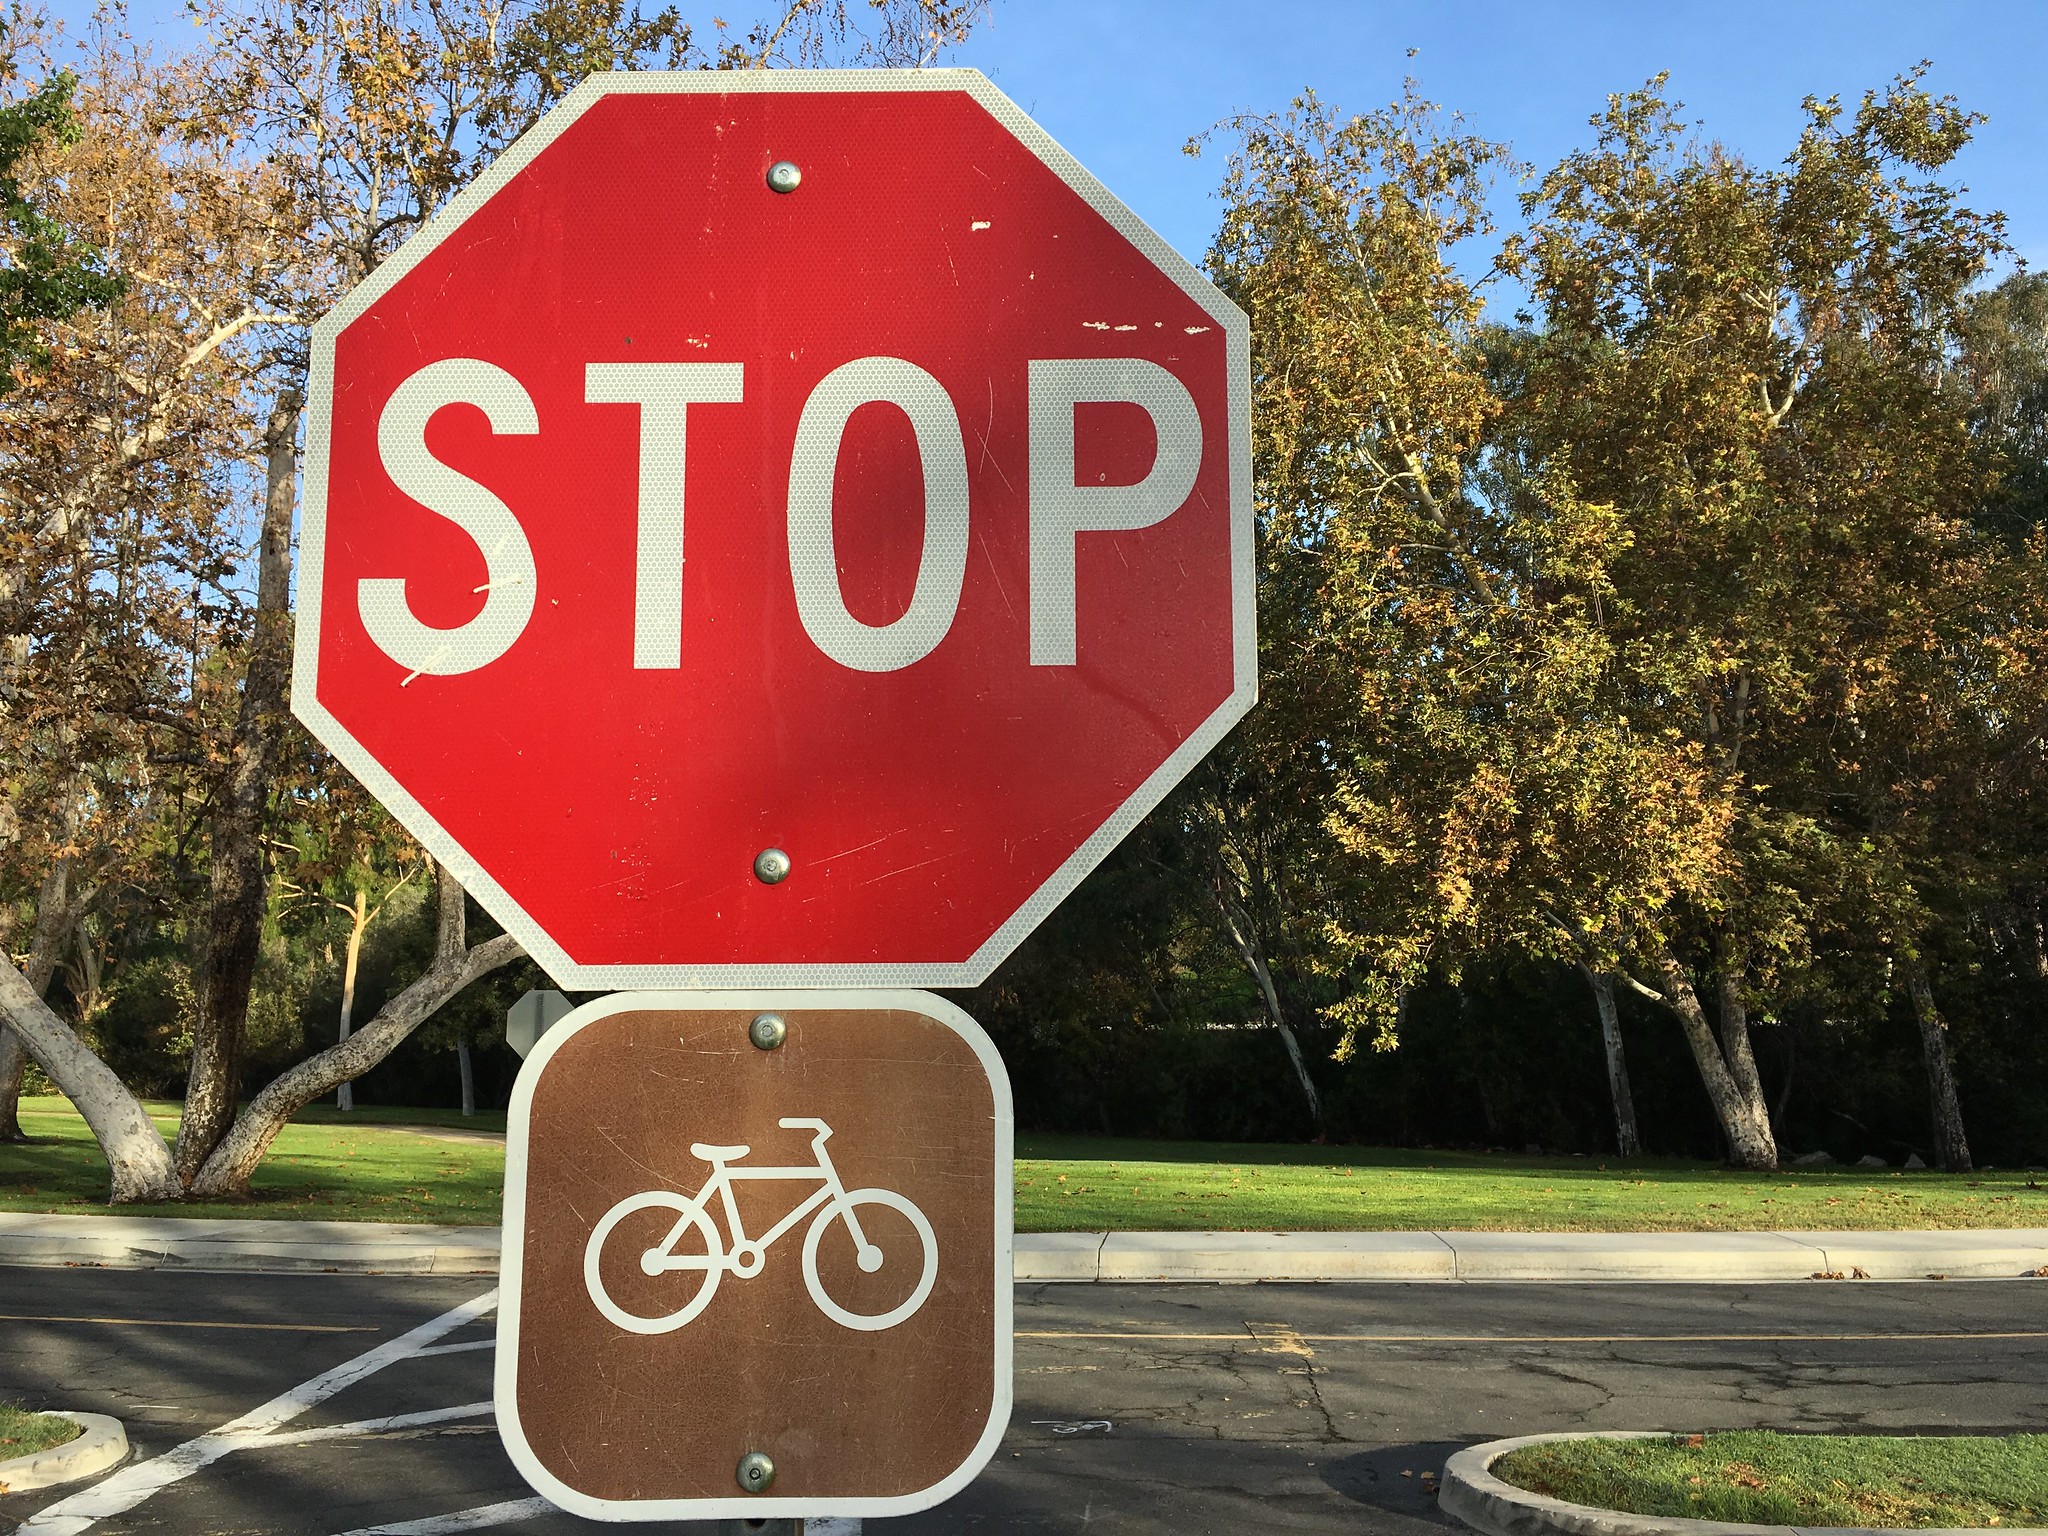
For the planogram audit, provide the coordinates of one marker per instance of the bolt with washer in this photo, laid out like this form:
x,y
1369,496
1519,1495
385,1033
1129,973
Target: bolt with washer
x,y
783,176
768,1031
755,1472
771,866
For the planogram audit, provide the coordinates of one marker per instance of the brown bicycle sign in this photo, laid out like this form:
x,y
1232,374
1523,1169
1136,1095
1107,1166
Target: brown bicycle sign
x,y
757,1256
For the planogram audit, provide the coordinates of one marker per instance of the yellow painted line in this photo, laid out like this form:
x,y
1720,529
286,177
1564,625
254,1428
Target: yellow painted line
x,y
1288,1337
180,1322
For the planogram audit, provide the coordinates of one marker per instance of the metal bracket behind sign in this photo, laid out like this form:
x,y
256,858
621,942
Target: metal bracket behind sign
x,y
532,1016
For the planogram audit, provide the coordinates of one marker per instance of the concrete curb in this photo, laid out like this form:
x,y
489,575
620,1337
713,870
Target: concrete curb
x,y
102,1443
157,1242
271,1247
1471,1492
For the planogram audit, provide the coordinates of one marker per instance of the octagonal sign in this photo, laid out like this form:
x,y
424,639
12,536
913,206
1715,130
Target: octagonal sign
x,y
777,529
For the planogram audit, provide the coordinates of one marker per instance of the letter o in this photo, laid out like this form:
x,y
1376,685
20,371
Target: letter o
x,y
813,559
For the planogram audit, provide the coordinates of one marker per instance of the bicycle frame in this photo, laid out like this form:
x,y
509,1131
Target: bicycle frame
x,y
745,1256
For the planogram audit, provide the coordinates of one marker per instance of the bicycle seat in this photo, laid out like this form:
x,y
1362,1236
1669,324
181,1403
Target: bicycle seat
x,y
712,1154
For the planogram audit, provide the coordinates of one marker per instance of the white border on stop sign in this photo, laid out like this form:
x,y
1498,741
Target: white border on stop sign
x,y
565,969
505,1376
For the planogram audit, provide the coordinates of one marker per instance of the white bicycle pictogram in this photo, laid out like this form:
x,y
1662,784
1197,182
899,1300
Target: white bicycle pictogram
x,y
832,1201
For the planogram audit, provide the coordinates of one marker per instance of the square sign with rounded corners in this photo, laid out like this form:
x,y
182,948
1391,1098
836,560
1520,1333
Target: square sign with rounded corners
x,y
757,1256
777,528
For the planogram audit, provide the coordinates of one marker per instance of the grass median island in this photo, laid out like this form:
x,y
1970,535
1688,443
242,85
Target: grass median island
x,y
429,1165
24,1434
1757,1477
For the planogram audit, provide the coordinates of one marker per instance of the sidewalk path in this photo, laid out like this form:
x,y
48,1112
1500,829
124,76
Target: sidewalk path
x,y
156,1242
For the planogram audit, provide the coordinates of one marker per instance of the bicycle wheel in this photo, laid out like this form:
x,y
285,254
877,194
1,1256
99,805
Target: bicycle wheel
x,y
667,1257
839,1211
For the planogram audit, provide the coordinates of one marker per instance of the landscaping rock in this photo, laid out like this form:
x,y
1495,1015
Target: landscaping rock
x,y
1912,1161
1871,1160
1813,1160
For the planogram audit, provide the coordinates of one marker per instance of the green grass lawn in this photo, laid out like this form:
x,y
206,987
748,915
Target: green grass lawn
x,y
1759,1478
1077,1184
364,1167
23,1434
325,1166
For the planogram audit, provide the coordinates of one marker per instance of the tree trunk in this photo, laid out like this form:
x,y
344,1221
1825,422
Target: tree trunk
x,y
1246,942
13,1067
240,894
1627,1143
137,1158
468,1074
345,1095
1256,959
1745,1125
1784,1098
1951,1145
1735,1041
456,965
56,911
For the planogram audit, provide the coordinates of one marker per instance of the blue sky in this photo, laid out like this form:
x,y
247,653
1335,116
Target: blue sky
x,y
1124,86
1125,83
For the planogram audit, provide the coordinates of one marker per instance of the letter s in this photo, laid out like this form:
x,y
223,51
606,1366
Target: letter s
x,y
508,558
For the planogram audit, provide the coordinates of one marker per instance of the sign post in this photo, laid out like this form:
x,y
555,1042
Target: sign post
x,y
860,494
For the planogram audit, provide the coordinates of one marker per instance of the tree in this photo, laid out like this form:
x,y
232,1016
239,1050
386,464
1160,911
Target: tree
x,y
118,528
1434,639
2002,364
47,274
1747,365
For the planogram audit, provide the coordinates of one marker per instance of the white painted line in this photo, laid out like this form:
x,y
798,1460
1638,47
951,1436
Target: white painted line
x,y
132,1484
375,1426
484,1515
456,1349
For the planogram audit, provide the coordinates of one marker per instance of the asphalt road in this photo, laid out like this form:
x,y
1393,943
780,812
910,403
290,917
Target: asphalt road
x,y
1141,1409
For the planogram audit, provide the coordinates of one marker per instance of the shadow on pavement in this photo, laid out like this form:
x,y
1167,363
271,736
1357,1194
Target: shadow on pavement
x,y
1391,1479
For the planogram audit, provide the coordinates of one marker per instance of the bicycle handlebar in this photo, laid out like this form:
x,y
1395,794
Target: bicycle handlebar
x,y
805,1125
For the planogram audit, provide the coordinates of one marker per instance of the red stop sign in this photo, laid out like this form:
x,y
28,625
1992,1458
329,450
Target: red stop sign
x,y
749,462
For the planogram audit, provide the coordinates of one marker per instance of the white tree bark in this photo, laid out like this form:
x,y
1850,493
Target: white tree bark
x,y
1746,1125
1952,1146
1627,1141
137,1154
344,1096
59,906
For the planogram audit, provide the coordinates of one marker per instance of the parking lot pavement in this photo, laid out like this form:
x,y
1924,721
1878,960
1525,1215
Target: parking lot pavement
x,y
317,1405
